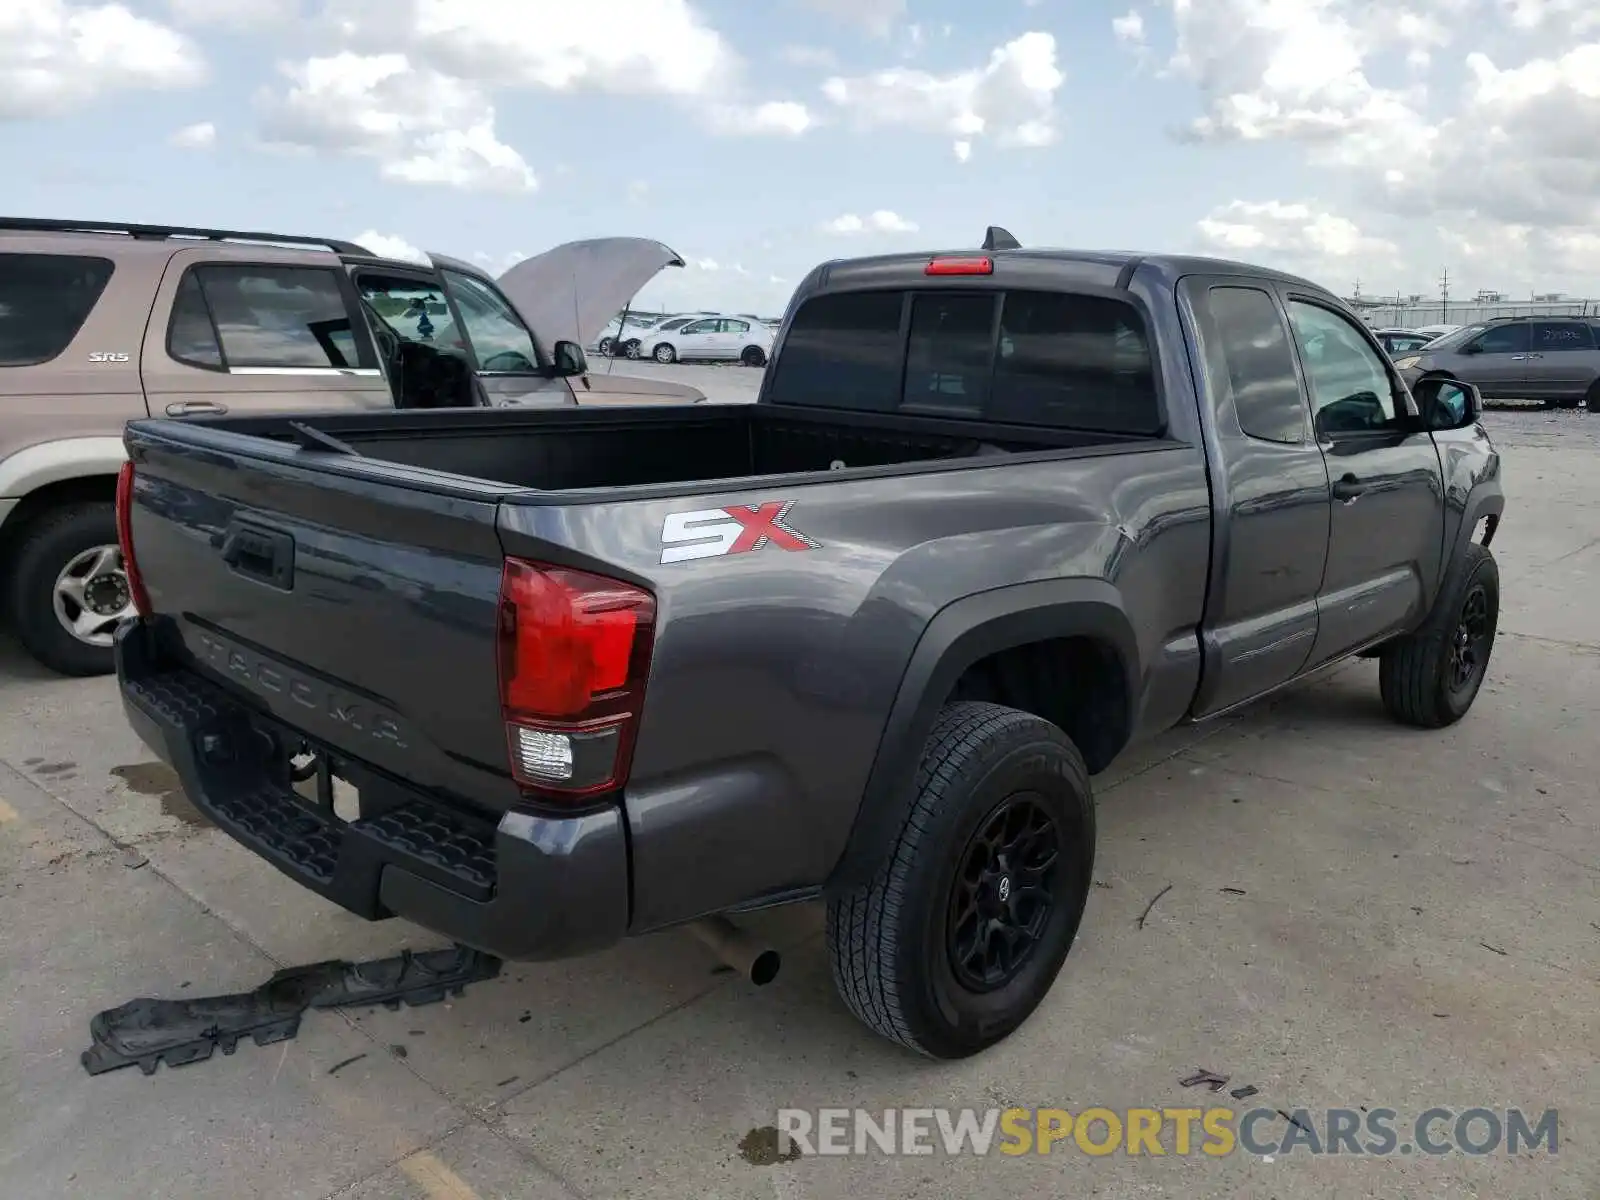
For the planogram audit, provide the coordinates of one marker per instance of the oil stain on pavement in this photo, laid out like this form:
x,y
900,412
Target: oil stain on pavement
x,y
161,781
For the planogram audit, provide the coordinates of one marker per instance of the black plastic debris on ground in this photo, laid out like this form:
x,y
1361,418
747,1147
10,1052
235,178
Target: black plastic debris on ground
x,y
179,1032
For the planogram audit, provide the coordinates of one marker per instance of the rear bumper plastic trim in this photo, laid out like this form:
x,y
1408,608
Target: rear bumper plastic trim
x,y
534,887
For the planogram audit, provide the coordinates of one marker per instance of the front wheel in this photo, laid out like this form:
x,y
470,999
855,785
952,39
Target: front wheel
x,y
604,347
753,356
664,353
69,591
964,928
1430,678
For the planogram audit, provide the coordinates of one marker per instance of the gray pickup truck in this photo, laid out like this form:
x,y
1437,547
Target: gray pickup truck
x,y
994,517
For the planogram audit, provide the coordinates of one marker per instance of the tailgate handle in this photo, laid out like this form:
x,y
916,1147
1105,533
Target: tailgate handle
x,y
262,554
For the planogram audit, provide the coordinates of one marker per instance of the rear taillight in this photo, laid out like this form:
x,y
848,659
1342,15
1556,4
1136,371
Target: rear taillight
x,y
130,565
574,656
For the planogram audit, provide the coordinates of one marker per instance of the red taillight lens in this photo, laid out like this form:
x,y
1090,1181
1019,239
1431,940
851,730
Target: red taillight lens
x,y
574,656
960,266
130,565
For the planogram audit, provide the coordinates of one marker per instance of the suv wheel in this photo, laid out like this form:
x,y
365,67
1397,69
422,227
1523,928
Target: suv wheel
x,y
964,928
1430,678
68,590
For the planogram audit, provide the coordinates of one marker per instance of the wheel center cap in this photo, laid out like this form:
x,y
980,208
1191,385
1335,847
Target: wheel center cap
x,y
1003,889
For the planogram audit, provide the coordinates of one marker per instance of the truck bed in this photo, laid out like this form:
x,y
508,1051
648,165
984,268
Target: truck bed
x,y
571,449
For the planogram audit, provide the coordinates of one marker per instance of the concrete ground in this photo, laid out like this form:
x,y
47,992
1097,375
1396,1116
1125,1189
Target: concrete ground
x,y
1350,914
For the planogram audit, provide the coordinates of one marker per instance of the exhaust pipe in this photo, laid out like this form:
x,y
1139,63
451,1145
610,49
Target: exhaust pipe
x,y
745,953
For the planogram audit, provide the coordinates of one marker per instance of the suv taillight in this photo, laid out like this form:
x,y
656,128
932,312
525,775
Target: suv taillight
x,y
130,565
574,656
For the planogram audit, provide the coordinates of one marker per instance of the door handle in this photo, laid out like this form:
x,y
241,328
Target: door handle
x,y
1348,490
192,408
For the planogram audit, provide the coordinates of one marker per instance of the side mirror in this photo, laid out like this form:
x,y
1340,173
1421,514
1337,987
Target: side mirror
x,y
569,360
1447,403
1472,348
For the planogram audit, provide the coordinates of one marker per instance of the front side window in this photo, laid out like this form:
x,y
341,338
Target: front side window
x,y
264,316
499,338
1511,338
44,301
1555,337
699,327
1250,357
1351,391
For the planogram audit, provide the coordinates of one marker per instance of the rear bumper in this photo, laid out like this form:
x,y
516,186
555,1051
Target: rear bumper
x,y
532,887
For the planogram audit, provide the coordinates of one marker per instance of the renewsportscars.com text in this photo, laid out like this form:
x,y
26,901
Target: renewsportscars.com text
x,y
1216,1132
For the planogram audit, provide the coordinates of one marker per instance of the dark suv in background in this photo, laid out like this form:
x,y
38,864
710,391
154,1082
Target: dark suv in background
x,y
1553,359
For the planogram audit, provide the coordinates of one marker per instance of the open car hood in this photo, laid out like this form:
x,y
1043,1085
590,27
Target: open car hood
x,y
570,292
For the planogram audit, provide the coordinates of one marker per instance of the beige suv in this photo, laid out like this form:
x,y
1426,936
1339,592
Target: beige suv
x,y
102,323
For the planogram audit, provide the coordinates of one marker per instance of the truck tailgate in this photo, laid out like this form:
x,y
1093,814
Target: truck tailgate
x,y
296,587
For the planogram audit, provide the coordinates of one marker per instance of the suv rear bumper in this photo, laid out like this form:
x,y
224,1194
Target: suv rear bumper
x,y
532,887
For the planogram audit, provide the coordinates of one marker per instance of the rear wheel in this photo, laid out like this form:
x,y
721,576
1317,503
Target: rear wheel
x,y
664,353
1430,678
631,348
964,928
605,347
753,356
69,591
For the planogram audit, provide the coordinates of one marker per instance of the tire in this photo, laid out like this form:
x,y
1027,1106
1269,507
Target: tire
x,y
896,943
604,347
48,547
1422,681
1572,402
1592,400
753,356
665,354
630,348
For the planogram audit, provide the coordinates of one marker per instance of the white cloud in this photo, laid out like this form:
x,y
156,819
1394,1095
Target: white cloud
x,y
368,105
881,221
785,118
56,57
234,15
875,16
388,245
1129,27
1297,237
1524,149
1010,100
639,46
200,136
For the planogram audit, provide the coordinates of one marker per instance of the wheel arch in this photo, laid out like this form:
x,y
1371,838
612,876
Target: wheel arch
x,y
48,475
1059,618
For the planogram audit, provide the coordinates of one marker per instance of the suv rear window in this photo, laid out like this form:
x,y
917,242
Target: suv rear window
x,y
44,301
1054,359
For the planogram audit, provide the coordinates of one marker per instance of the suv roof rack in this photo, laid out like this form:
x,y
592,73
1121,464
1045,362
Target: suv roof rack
x,y
160,232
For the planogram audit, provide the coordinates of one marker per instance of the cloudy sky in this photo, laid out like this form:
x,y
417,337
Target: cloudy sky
x,y
1347,139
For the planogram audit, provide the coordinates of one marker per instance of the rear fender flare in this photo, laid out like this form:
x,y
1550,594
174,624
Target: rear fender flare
x,y
960,635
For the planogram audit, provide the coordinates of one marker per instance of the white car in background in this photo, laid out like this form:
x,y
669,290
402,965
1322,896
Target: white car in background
x,y
711,338
615,333
629,345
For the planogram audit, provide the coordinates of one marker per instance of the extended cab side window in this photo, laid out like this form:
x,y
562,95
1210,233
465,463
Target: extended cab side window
x,y
44,301
264,317
1351,390
1250,359
500,340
